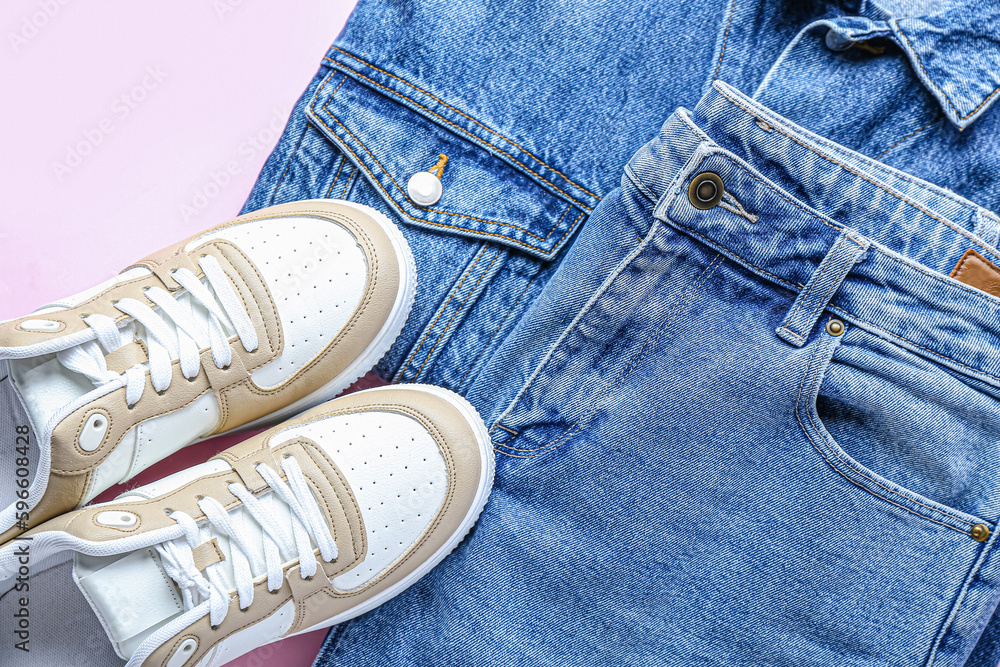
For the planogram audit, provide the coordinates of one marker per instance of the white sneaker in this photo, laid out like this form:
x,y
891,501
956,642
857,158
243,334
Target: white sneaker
x,y
254,320
299,528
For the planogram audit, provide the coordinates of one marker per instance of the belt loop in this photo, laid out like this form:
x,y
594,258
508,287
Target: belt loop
x,y
847,250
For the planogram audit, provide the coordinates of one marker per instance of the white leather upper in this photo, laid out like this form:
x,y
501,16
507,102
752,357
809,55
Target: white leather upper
x,y
268,630
154,440
397,473
316,274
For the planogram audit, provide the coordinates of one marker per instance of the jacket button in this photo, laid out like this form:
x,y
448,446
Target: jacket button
x,y
705,190
424,188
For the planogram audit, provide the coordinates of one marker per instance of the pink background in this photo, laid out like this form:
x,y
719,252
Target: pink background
x,y
128,126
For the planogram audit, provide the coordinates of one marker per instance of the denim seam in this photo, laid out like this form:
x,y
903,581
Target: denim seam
x,y
458,310
378,183
815,383
825,301
637,359
464,115
441,311
894,194
621,266
288,165
963,594
795,286
883,168
934,83
343,159
725,39
643,188
406,195
875,246
349,182
908,136
804,295
851,316
510,311
473,139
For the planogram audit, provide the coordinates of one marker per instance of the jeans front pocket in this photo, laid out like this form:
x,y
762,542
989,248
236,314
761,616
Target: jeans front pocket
x,y
918,446
627,315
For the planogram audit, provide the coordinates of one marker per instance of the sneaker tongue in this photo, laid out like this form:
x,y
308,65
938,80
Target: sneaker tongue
x,y
131,595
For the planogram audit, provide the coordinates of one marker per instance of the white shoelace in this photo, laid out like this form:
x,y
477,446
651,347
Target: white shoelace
x,y
184,340
309,527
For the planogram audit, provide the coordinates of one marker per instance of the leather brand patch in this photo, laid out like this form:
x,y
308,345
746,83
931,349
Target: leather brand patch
x,y
977,271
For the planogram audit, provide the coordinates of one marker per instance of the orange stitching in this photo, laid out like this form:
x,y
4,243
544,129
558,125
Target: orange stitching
x,y
510,311
725,39
466,274
472,137
457,311
934,83
343,159
822,303
556,171
414,218
911,134
786,283
925,349
292,155
350,183
402,191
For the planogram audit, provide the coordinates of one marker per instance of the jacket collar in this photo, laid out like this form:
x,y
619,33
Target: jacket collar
x,y
954,48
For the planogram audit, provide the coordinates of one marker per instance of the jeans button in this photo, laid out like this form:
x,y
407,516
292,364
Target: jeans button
x,y
705,190
836,41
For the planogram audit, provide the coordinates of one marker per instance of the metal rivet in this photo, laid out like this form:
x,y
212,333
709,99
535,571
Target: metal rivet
x,y
980,532
834,327
706,190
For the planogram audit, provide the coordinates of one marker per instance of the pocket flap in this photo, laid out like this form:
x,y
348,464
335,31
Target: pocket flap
x,y
490,190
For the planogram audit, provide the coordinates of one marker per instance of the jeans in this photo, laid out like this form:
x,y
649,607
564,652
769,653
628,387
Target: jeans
x,y
691,468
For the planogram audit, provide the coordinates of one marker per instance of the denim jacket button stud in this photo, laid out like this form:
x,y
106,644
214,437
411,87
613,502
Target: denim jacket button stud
x,y
836,41
980,532
424,188
705,190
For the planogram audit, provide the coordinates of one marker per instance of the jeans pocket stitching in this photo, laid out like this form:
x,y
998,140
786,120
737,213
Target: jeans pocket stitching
x,y
841,462
595,403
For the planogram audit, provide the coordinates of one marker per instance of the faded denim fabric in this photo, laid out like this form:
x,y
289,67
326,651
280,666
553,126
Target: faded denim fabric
x,y
691,469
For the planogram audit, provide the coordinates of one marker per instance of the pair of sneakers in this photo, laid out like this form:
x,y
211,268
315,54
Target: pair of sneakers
x,y
308,524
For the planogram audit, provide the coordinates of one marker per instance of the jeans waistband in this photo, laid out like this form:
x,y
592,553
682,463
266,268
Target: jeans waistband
x,y
791,195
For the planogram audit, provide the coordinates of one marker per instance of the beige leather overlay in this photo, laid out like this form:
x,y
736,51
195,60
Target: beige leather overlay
x,y
240,400
316,600
207,553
